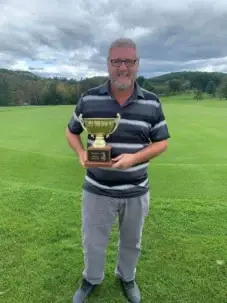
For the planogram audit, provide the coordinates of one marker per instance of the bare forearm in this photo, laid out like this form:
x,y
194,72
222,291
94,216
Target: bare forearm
x,y
75,142
151,151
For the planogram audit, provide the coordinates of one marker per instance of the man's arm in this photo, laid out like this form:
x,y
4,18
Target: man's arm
x,y
151,151
73,132
74,142
129,160
158,136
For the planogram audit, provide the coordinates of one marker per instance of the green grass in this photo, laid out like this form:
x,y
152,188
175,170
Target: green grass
x,y
185,234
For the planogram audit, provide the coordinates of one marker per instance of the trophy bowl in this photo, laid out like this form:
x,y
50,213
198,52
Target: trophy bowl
x,y
99,154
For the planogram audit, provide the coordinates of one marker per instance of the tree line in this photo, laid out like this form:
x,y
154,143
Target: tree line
x,y
211,83
19,88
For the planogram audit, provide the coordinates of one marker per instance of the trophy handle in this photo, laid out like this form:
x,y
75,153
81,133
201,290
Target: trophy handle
x,y
82,124
116,125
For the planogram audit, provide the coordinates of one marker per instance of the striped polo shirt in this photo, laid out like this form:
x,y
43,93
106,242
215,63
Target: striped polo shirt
x,y
142,122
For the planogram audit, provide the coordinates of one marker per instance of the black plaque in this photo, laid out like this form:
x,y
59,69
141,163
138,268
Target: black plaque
x,y
98,156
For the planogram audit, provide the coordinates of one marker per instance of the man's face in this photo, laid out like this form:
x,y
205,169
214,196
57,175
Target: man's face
x,y
122,74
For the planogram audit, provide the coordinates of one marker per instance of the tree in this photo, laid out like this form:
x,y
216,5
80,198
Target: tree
x,y
211,88
186,85
52,96
198,94
219,92
174,85
140,80
223,90
34,89
148,85
4,92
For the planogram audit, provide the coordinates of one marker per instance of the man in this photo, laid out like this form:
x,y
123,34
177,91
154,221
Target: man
x,y
123,189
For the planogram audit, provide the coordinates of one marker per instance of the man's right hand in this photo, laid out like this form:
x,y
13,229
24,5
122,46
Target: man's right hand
x,y
83,157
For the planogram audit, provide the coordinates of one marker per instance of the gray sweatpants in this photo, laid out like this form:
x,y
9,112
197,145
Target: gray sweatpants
x,y
98,215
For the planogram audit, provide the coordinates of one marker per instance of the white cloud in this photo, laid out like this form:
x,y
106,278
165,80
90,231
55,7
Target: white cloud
x,y
20,65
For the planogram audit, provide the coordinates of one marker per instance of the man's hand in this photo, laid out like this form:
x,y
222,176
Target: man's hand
x,y
83,157
150,152
124,161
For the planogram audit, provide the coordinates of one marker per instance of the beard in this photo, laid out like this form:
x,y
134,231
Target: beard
x,y
121,86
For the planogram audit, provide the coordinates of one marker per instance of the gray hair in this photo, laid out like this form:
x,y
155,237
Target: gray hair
x,y
122,42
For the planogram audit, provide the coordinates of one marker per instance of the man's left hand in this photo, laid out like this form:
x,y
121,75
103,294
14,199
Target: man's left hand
x,y
124,161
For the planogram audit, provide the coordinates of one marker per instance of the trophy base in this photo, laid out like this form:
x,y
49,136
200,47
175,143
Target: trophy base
x,y
92,164
98,157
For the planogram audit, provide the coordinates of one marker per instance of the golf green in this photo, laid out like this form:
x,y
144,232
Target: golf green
x,y
184,244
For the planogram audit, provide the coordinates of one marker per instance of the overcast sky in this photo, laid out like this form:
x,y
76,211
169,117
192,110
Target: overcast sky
x,y
71,38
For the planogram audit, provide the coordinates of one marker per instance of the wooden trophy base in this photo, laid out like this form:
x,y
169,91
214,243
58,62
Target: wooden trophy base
x,y
98,157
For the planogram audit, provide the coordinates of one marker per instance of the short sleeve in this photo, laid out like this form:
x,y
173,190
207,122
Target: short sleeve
x,y
159,130
74,124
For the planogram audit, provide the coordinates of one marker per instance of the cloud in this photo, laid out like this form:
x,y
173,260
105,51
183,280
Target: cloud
x,y
71,39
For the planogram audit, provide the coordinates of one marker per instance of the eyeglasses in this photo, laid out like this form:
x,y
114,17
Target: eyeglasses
x,y
127,62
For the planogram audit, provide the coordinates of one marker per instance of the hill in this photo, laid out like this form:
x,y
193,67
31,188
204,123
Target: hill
x,y
189,75
176,82
26,88
17,73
